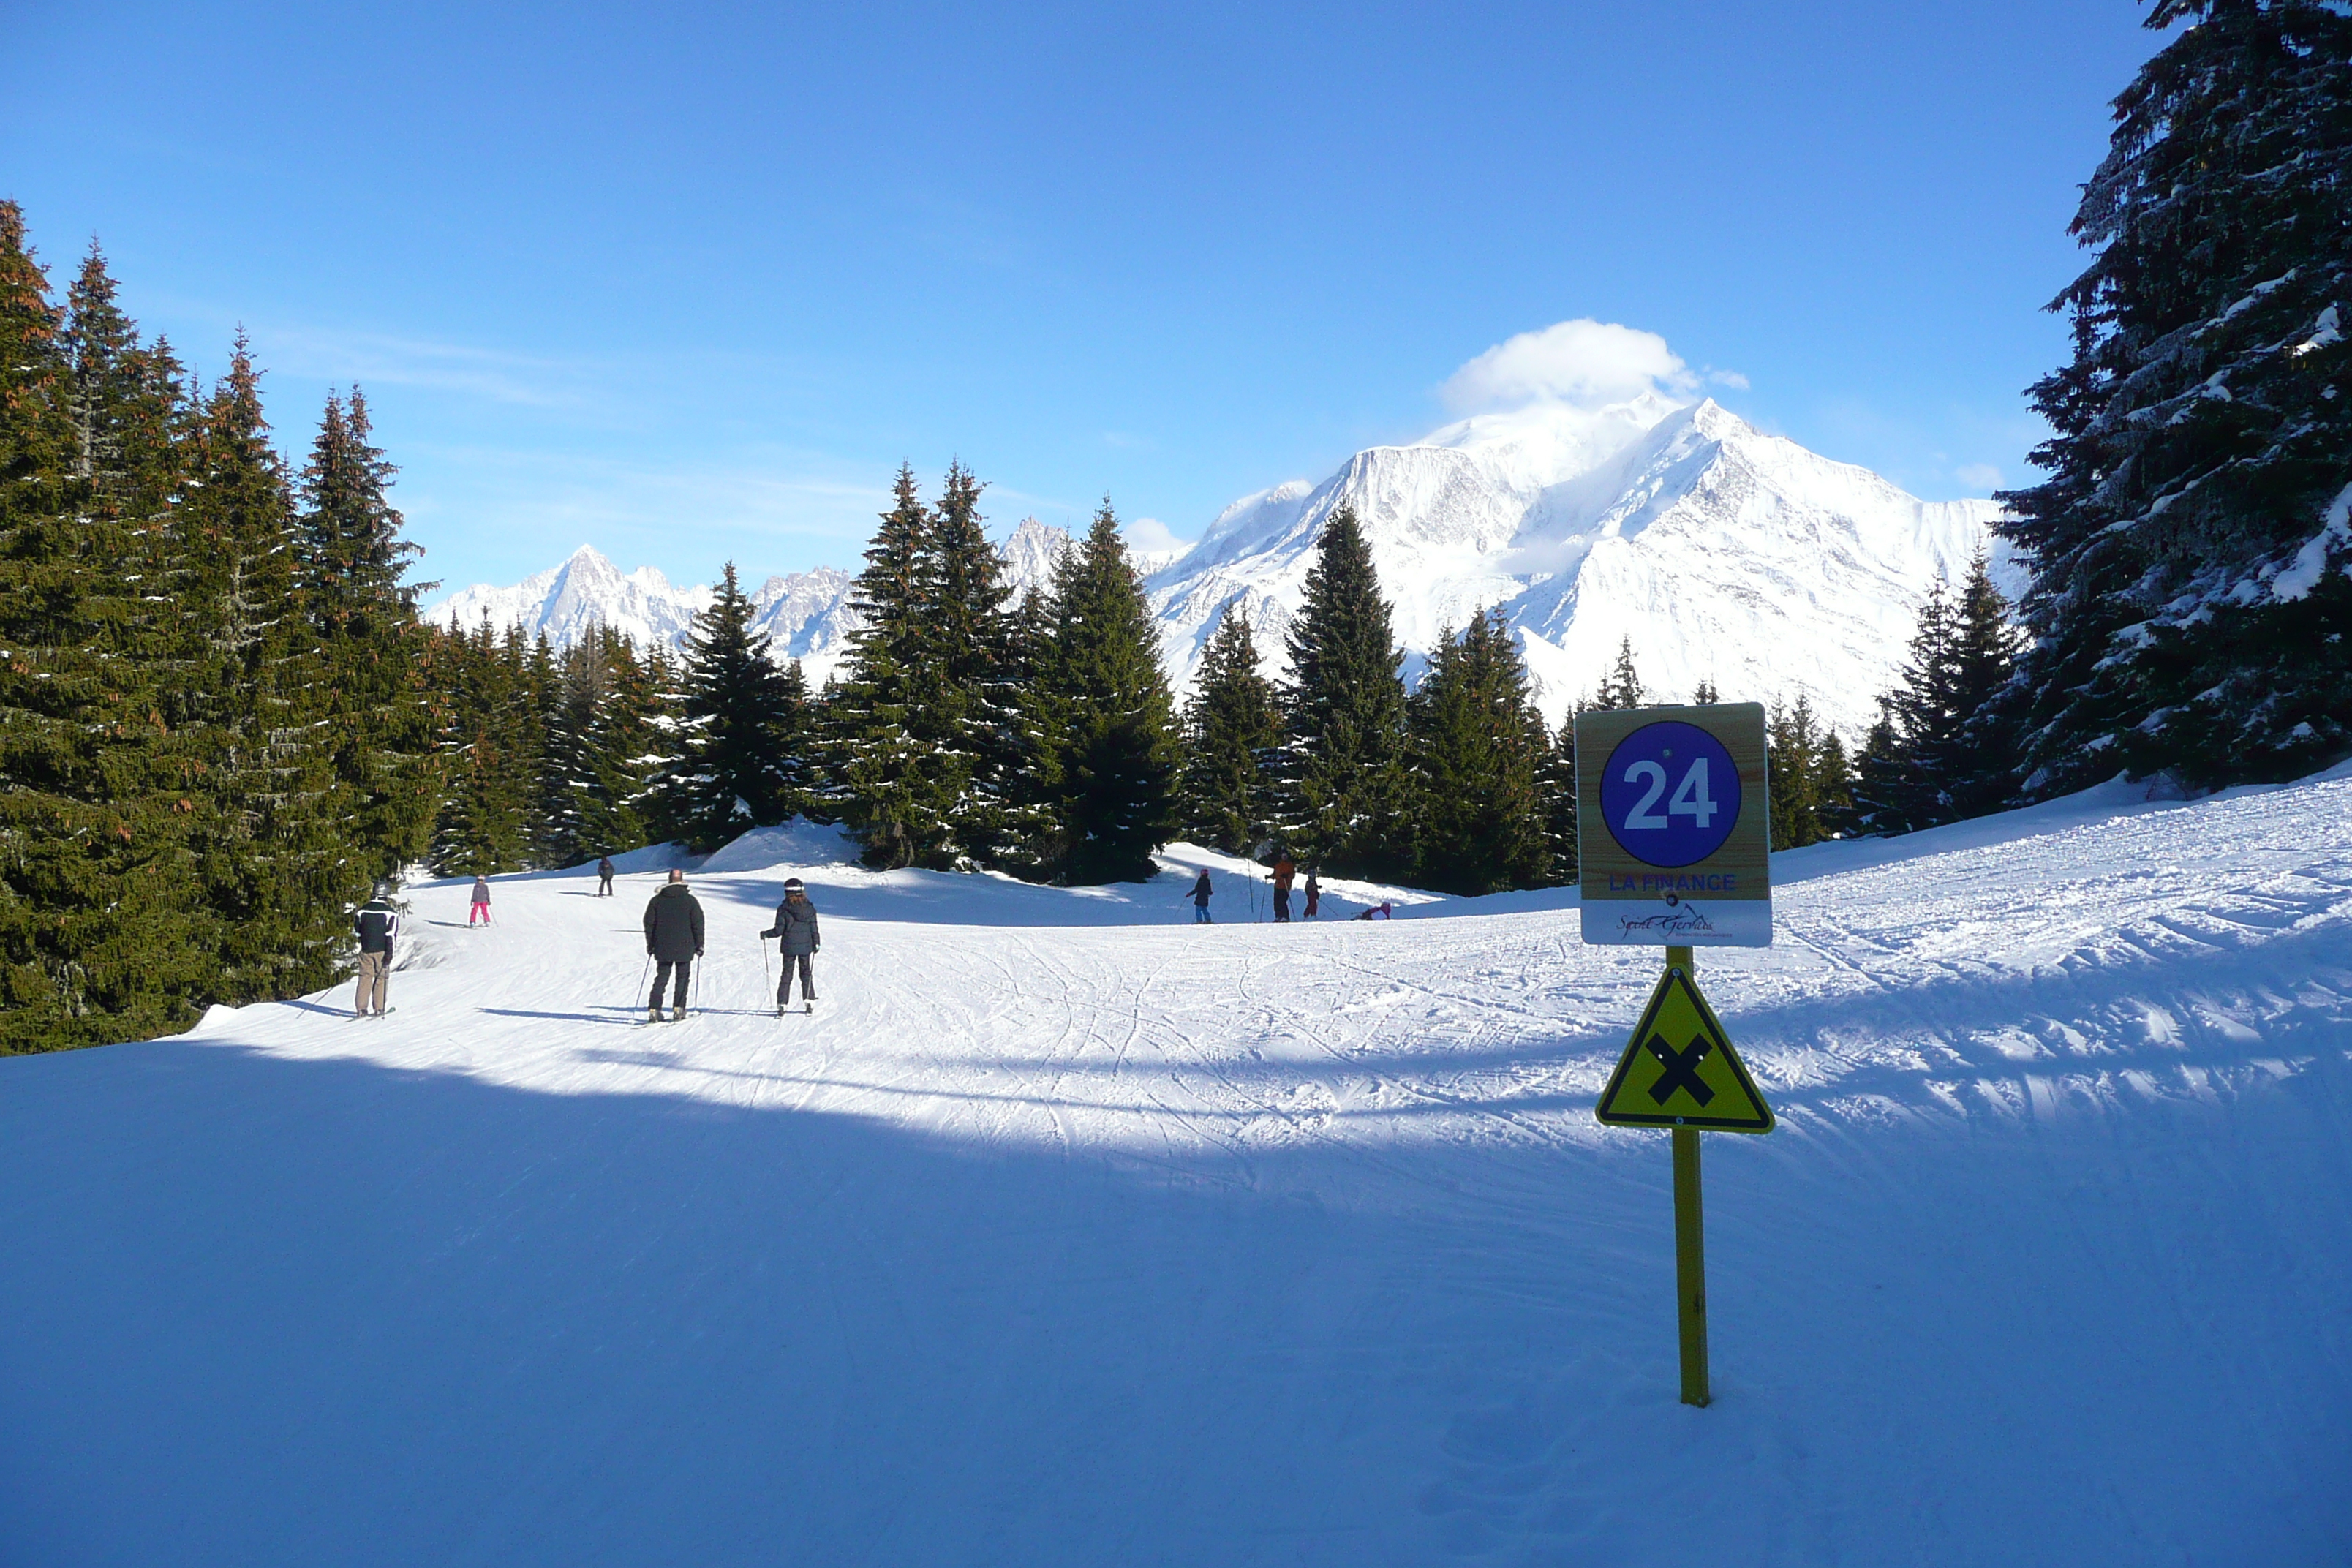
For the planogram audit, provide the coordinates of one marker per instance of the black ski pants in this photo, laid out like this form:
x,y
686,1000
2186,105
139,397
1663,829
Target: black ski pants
x,y
662,968
808,985
1282,903
604,885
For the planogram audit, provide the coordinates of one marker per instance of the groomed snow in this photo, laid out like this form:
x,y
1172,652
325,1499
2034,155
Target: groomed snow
x,y
1068,1233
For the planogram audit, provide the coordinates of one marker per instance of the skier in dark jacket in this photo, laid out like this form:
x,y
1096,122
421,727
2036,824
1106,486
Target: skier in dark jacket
x,y
604,878
673,940
481,908
796,934
1314,892
377,924
1201,915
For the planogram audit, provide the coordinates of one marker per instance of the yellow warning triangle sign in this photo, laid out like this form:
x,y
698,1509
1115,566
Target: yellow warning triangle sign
x,y
1679,1069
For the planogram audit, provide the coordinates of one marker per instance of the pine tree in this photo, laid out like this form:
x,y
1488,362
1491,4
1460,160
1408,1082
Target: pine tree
x,y
617,742
1883,789
1977,761
1623,687
492,748
1341,768
274,867
1044,848
1943,748
2190,545
1923,711
1705,696
101,937
1556,779
1833,789
1792,768
896,788
728,767
974,713
1115,738
1231,728
1476,748
349,572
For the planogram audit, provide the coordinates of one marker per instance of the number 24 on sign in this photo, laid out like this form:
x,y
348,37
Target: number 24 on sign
x,y
1691,799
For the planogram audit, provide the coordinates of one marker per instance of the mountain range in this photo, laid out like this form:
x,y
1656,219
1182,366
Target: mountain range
x,y
1724,554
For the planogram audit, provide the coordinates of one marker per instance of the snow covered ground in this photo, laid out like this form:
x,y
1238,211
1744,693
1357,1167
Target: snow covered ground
x,y
1067,1233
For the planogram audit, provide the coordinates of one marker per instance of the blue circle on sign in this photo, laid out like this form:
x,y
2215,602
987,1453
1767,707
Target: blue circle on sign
x,y
1670,794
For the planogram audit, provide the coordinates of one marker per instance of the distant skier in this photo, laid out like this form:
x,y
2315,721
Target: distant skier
x,y
673,940
796,941
1379,912
1314,892
378,926
1201,892
604,878
1285,870
481,909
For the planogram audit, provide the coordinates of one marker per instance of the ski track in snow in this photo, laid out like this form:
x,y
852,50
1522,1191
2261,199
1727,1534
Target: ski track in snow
x,y
1068,1232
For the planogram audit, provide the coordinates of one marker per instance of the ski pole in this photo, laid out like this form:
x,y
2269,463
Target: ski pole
x,y
763,958
642,973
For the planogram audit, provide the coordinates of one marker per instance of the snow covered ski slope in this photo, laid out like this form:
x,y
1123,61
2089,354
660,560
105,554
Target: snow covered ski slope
x,y
1068,1233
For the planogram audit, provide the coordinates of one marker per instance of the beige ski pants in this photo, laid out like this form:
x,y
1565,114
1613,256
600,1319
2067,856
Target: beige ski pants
x,y
375,970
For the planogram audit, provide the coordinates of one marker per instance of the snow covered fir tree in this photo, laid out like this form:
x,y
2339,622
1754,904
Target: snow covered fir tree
x,y
2191,544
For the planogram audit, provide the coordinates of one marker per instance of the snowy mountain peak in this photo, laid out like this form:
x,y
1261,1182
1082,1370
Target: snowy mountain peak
x,y
1725,554
1031,553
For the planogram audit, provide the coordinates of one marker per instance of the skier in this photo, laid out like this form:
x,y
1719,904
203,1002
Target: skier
x,y
481,909
1285,870
1200,916
378,926
673,940
796,931
604,878
1378,913
1314,892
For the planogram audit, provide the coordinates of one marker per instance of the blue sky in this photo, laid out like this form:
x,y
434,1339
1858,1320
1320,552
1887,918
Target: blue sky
x,y
688,282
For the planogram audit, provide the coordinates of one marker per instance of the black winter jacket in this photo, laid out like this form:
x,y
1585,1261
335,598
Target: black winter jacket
x,y
674,924
795,925
378,926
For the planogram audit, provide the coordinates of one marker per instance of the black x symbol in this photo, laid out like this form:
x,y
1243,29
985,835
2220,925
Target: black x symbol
x,y
1682,1070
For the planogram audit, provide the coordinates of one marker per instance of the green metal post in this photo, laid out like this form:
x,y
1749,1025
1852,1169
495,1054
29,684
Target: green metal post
x,y
1690,1265
1690,1244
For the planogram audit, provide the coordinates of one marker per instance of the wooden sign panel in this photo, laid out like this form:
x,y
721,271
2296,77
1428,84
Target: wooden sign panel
x,y
1673,825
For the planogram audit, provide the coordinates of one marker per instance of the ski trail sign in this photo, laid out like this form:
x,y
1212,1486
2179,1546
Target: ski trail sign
x,y
1673,825
1679,1069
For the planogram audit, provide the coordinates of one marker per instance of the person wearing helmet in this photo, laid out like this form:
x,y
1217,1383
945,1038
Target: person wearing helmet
x,y
377,924
796,942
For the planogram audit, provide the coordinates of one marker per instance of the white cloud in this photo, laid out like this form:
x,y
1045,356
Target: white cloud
x,y
1149,536
1730,378
1586,362
373,359
1978,476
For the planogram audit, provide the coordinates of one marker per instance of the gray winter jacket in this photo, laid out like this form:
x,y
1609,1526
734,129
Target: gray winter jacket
x,y
795,926
674,924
